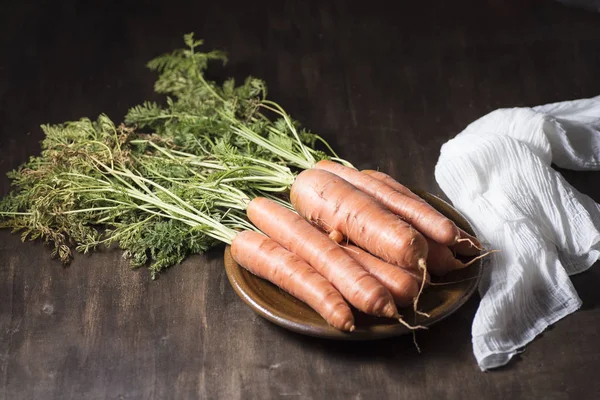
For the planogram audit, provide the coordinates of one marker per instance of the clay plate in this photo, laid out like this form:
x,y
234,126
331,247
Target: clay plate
x,y
277,306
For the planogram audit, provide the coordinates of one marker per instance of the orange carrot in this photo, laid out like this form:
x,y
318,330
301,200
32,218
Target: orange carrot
x,y
391,182
337,237
467,245
300,237
401,284
266,258
334,204
441,260
423,217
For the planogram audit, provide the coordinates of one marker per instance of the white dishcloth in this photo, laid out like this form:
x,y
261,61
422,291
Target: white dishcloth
x,y
498,174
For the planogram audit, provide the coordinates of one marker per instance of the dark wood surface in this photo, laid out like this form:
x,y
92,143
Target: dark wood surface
x,y
386,86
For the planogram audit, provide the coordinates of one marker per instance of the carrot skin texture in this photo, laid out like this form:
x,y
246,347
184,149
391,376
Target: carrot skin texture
x,y
404,203
298,236
391,182
332,203
267,259
464,248
441,260
468,247
336,236
423,217
401,285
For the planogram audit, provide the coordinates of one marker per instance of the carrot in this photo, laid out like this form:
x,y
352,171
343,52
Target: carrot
x,y
441,260
337,237
423,217
401,284
391,182
300,237
334,204
467,245
267,259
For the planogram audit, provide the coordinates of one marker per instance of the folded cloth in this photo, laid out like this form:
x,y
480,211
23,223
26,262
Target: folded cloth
x,y
498,174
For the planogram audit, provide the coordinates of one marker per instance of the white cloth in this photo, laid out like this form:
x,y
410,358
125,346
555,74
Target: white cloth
x,y
498,174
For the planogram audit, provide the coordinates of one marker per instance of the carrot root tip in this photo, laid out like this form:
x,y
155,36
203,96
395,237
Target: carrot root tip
x,y
414,335
413,329
409,326
389,310
422,267
472,243
481,256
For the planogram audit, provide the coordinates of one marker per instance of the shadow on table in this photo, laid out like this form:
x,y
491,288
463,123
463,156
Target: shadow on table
x,y
586,284
448,338
585,182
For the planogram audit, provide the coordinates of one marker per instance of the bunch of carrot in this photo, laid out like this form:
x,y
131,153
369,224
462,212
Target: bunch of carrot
x,y
218,167
355,238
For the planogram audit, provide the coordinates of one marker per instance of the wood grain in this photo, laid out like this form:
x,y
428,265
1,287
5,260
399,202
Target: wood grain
x,y
386,87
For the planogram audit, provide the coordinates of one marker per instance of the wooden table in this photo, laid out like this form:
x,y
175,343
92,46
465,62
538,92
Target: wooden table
x,y
385,87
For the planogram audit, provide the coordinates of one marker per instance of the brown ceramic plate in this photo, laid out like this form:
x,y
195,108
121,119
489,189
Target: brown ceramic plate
x,y
284,310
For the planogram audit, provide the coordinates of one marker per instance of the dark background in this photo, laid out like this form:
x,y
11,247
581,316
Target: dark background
x,y
385,82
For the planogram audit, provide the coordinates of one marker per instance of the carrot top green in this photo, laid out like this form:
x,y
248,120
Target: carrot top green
x,y
172,179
